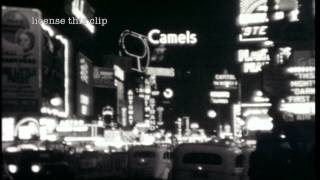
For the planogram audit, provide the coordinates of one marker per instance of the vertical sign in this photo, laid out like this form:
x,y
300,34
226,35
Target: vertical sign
x,y
84,86
21,61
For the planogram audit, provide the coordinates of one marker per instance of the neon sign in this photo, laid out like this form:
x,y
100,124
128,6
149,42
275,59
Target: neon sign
x,y
253,60
252,19
171,38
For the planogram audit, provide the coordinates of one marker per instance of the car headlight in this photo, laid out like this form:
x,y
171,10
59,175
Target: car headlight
x,y
13,168
35,168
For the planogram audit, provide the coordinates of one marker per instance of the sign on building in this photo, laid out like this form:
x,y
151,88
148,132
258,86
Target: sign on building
x,y
21,61
84,86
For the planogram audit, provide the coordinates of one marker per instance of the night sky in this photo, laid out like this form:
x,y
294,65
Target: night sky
x,y
214,22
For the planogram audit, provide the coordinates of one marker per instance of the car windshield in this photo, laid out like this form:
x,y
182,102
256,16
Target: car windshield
x,y
202,158
144,154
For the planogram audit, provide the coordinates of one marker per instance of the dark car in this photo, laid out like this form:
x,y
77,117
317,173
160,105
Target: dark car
x,y
39,165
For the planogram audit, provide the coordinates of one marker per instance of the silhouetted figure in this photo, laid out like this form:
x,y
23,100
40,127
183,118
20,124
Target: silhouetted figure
x,y
270,160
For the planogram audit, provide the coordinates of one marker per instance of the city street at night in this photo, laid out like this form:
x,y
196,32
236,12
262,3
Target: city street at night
x,y
158,90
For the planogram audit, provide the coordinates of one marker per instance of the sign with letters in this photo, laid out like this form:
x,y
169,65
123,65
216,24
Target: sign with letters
x,y
84,86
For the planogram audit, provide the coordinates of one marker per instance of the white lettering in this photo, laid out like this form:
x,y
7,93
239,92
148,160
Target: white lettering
x,y
151,34
221,94
219,101
300,69
302,91
172,38
254,31
225,77
303,83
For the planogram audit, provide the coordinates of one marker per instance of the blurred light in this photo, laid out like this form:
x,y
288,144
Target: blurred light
x,y
78,13
268,43
130,92
142,160
199,168
278,15
259,93
56,101
194,126
255,104
211,113
220,94
13,168
100,123
260,99
12,149
249,112
84,99
298,108
52,137
282,136
301,69
35,168
8,125
255,18
219,101
293,15
242,39
28,147
119,73
42,149
47,28
262,124
71,139
168,93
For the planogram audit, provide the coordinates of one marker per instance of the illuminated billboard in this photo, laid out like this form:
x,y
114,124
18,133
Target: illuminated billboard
x,y
21,61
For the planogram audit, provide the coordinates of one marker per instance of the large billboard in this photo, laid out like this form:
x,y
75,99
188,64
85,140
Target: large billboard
x,y
21,61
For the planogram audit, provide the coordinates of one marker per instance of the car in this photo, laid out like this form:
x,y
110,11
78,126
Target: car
x,y
149,162
196,161
29,164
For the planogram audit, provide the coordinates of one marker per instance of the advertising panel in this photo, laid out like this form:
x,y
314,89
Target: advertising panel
x,y
21,61
103,77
